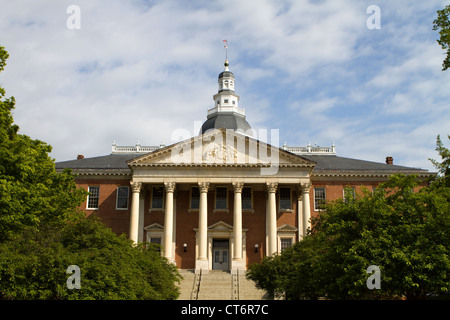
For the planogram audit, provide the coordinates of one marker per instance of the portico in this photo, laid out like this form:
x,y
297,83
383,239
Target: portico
x,y
209,182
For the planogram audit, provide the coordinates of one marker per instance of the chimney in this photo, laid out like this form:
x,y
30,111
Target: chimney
x,y
389,160
80,156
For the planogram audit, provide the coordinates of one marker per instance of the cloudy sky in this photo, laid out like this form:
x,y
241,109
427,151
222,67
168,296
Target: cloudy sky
x,y
138,70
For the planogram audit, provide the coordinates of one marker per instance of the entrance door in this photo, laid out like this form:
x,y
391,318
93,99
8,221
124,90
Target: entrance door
x,y
220,254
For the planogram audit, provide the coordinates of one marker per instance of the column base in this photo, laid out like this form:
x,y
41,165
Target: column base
x,y
203,265
237,265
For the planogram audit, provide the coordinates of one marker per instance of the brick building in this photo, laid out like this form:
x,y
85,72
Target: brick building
x,y
222,199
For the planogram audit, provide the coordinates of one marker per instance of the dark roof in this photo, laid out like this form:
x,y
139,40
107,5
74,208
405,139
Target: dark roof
x,y
113,164
336,163
227,121
117,164
227,74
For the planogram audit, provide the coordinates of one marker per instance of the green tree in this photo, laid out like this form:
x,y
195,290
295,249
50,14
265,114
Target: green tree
x,y
444,165
442,23
267,275
301,277
33,265
403,232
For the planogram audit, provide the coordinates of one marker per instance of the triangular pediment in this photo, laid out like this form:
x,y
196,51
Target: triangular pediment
x,y
286,228
154,227
221,147
220,226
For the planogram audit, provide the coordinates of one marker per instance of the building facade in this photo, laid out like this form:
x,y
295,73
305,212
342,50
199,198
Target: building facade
x,y
223,199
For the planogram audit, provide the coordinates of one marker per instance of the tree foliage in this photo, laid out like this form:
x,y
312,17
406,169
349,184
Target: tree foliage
x,y
33,265
403,232
442,23
443,166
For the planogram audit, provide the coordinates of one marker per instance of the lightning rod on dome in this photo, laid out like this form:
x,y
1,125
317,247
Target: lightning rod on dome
x,y
225,45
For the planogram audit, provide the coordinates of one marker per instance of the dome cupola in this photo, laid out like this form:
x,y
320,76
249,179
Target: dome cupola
x,y
226,113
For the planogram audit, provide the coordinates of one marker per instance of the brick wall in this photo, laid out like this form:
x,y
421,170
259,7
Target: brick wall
x,y
117,220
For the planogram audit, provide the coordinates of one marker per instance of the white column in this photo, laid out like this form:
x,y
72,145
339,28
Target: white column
x,y
238,262
202,259
272,217
300,212
168,220
134,214
141,216
306,207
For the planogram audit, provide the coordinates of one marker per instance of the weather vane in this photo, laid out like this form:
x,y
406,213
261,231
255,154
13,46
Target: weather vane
x,y
225,45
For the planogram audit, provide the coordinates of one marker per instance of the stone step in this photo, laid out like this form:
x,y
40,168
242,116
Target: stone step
x,y
186,285
215,285
218,285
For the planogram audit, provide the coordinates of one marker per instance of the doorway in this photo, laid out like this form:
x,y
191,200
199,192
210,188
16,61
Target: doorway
x,y
221,254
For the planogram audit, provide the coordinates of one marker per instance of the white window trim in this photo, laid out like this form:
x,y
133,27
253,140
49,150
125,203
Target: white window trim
x,y
292,238
117,198
325,191
286,232
87,199
290,200
155,230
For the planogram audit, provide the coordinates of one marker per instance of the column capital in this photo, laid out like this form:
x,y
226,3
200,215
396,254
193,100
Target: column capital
x,y
272,187
306,186
136,186
203,186
169,186
238,186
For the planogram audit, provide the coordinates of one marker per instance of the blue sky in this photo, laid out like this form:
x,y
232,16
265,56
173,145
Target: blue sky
x,y
138,70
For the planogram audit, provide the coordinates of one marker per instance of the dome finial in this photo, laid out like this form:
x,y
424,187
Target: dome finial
x,y
226,64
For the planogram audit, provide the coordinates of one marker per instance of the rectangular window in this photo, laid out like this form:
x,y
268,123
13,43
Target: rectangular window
x,y
285,243
247,198
319,198
221,198
285,198
92,200
122,198
195,198
157,197
155,240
